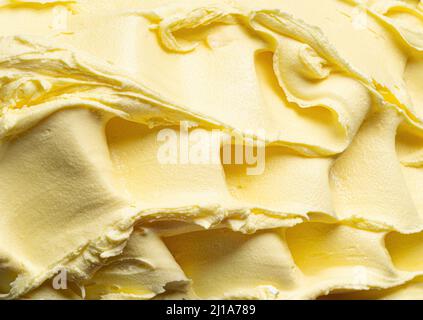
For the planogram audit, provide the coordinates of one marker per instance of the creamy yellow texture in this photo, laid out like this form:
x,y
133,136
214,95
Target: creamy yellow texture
x,y
334,88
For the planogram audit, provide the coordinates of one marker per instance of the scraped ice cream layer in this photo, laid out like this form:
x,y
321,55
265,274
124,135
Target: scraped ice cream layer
x,y
332,88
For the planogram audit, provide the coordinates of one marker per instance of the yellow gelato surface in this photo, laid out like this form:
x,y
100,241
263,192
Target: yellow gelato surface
x,y
329,93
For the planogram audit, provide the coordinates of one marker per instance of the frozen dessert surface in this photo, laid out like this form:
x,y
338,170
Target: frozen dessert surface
x,y
94,94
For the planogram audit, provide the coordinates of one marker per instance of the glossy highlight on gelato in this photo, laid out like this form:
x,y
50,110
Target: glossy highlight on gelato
x,y
332,88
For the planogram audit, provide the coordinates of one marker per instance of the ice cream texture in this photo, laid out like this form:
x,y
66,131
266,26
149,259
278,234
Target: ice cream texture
x,y
86,86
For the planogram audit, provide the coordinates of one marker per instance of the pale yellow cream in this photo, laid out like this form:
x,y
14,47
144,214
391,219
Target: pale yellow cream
x,y
332,88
